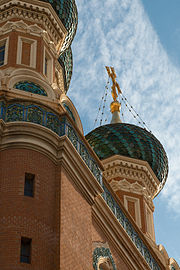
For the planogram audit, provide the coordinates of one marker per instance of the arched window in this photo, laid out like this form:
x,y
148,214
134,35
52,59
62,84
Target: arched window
x,y
30,87
102,259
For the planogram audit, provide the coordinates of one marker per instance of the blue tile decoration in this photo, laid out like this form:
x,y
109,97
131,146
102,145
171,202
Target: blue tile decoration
x,y
67,12
60,125
105,253
130,141
26,112
30,87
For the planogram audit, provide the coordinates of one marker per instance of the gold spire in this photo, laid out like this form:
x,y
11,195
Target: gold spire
x,y
115,105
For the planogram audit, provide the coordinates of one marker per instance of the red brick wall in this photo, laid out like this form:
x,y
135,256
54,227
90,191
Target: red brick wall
x,y
25,216
76,241
58,218
98,236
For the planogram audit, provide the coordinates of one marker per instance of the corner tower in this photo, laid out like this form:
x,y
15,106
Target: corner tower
x,y
36,120
136,165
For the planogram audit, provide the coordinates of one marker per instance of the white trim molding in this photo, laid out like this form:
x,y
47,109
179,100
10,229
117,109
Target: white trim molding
x,y
33,51
137,208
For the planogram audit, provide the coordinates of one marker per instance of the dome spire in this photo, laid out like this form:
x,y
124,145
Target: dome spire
x,y
115,105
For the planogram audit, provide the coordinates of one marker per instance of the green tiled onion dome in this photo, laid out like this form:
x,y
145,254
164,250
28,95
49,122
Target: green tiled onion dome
x,y
67,12
66,61
131,141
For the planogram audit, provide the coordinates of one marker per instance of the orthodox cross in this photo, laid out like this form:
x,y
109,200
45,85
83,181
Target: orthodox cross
x,y
115,86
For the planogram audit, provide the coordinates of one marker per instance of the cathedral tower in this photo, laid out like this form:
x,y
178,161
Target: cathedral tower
x,y
66,204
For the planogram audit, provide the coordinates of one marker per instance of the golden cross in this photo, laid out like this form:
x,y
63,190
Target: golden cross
x,y
112,75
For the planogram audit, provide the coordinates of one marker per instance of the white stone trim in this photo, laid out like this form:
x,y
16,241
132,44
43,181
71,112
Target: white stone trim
x,y
30,75
134,169
67,100
150,222
33,52
36,12
50,65
137,208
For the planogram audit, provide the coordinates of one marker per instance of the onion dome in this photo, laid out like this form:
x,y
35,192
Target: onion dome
x,y
130,141
67,12
66,62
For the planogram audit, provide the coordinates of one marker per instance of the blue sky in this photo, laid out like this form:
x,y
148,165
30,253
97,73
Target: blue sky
x,y
141,39
165,18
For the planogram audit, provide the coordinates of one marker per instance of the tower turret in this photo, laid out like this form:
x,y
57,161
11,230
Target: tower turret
x,y
36,120
135,162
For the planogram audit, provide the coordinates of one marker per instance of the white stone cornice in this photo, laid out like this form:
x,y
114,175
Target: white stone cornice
x,y
33,29
127,186
135,188
138,170
26,135
37,12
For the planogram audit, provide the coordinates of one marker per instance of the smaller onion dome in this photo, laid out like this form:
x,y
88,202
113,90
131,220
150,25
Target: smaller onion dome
x,y
130,141
67,12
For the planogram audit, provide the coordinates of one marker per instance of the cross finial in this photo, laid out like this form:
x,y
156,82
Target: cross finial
x,y
115,105
115,86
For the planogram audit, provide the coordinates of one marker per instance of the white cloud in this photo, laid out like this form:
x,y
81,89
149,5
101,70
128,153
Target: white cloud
x,y
118,33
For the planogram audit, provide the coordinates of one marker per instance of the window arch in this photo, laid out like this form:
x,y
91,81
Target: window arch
x,y
30,86
102,259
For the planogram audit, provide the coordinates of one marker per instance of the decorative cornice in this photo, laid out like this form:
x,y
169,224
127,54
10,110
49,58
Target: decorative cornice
x,y
32,29
127,186
137,170
36,12
135,188
19,135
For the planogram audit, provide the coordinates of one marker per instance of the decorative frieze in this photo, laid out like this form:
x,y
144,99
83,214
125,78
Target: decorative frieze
x,y
32,29
38,14
26,112
136,188
139,172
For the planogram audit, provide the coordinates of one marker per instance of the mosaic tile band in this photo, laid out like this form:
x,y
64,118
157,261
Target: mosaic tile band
x,y
60,125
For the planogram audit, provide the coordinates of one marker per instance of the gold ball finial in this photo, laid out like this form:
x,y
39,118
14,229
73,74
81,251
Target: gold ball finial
x,y
115,106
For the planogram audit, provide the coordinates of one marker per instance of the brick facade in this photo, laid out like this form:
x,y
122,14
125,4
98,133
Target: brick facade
x,y
22,216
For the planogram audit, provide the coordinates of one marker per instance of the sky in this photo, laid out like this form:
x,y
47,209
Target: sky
x,y
141,40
